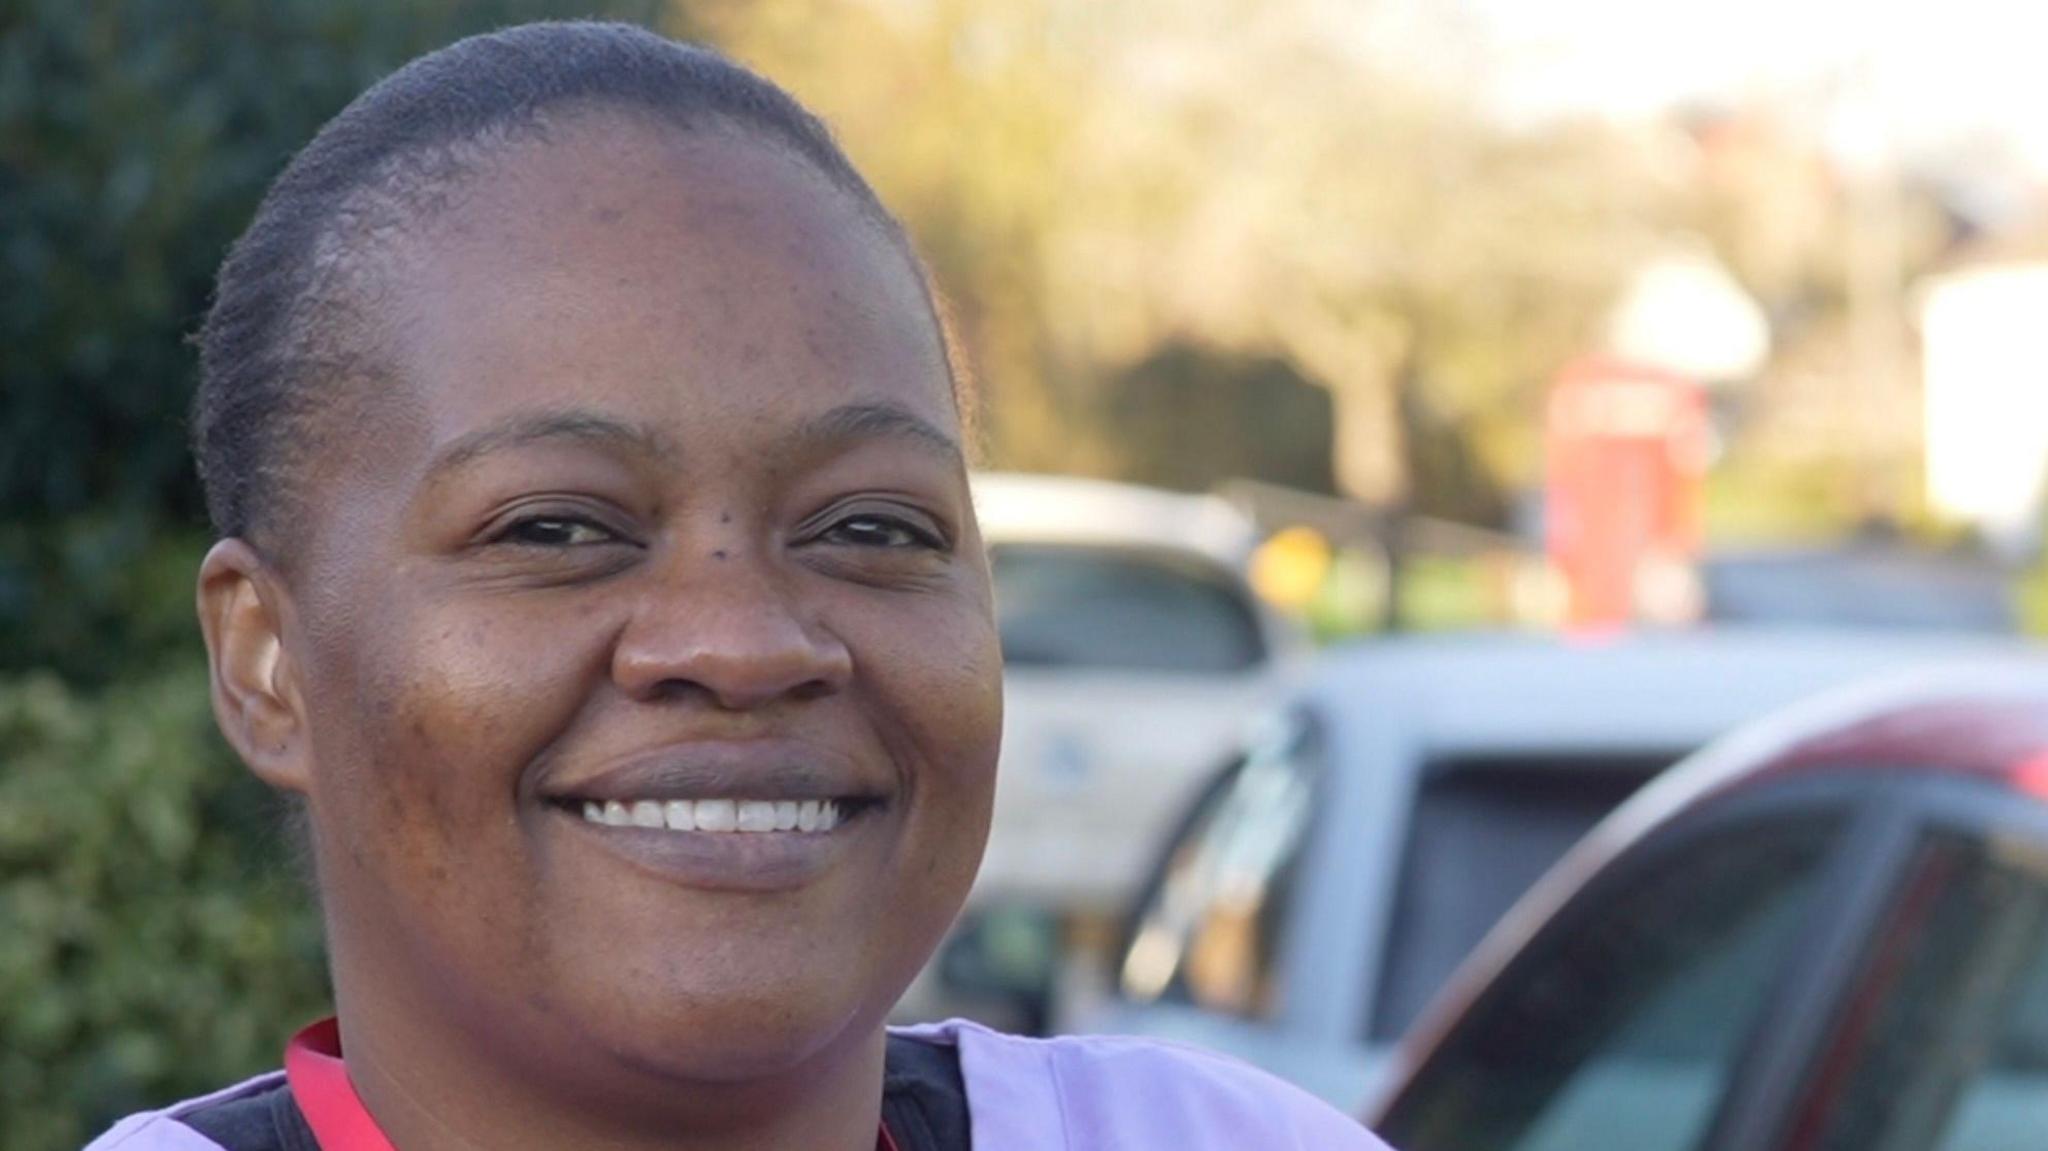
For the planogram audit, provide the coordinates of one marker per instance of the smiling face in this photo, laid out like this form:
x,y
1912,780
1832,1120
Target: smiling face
x,y
662,519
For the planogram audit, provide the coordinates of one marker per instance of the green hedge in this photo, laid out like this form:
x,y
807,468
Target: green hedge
x,y
155,938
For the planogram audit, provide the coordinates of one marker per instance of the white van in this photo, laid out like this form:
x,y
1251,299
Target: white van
x,y
1136,655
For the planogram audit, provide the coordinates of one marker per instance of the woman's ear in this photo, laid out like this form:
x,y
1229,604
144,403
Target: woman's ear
x,y
256,698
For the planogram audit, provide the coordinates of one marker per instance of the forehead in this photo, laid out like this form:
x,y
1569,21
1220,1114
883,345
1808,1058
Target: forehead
x,y
686,279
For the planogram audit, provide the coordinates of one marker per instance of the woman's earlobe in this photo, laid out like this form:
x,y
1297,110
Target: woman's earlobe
x,y
256,701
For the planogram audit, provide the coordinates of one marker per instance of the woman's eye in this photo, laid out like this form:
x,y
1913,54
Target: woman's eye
x,y
555,532
880,532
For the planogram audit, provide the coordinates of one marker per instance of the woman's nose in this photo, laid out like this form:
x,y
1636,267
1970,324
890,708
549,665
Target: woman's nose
x,y
731,631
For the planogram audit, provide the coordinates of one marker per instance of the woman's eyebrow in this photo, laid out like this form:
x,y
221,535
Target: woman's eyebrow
x,y
540,427
868,421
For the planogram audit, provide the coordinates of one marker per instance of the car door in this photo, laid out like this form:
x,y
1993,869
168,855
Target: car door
x,y
1202,959
1941,1039
1629,1017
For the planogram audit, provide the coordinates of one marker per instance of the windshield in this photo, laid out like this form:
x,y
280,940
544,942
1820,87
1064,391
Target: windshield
x,y
1073,606
1484,831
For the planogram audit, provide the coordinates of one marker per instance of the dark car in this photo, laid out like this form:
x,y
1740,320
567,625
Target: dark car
x,y
1825,933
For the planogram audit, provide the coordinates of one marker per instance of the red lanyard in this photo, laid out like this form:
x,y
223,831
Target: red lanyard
x,y
319,1083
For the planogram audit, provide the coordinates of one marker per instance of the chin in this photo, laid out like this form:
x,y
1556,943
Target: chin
x,y
756,1042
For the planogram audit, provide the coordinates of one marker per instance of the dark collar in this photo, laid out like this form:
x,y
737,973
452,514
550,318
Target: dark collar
x,y
922,1092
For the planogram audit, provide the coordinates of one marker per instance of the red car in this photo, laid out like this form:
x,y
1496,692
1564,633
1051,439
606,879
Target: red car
x,y
1828,932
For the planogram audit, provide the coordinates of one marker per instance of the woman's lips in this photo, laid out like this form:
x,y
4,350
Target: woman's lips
x,y
774,771
736,815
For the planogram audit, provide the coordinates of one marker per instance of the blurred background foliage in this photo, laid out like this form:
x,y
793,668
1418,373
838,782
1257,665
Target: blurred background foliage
x,y
154,941
136,137
1100,183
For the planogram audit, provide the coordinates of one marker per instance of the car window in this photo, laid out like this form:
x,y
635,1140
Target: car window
x,y
1620,1024
1207,930
1943,1045
1483,832
1070,606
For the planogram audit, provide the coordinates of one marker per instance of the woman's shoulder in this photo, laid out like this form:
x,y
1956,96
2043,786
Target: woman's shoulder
x,y
173,1129
1087,1092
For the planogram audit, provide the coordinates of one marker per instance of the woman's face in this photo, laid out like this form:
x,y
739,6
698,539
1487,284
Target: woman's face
x,y
662,516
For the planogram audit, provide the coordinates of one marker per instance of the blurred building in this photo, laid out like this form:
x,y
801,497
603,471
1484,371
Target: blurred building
x,y
1984,355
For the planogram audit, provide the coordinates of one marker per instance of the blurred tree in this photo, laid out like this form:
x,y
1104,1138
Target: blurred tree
x,y
1829,432
1244,175
1189,418
136,137
958,113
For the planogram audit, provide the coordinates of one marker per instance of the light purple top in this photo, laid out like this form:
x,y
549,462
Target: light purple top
x,y
1089,1093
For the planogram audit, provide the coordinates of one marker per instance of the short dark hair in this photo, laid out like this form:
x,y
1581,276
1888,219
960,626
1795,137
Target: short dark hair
x,y
284,326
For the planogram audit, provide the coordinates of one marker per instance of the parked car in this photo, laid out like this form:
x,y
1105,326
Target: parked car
x,y
1871,584
1827,933
1332,877
1136,655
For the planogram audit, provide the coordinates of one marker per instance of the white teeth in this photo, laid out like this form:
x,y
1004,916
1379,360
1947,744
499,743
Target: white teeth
x,y
717,815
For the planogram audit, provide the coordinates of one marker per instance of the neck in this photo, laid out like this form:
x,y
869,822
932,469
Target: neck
x,y
435,1089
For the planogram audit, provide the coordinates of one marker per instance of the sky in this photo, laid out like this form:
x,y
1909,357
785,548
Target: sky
x,y
1919,76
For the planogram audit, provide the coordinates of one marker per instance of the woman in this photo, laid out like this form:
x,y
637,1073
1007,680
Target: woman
x,y
598,570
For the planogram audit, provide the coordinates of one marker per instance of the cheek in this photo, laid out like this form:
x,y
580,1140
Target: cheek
x,y
424,727
939,683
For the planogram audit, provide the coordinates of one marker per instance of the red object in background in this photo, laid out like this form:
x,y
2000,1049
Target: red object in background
x,y
1627,457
